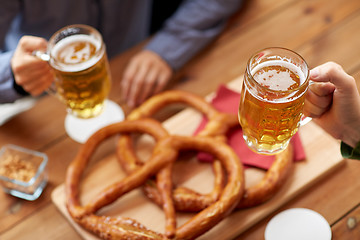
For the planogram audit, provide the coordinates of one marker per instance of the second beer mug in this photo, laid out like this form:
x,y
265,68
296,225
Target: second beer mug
x,y
272,99
77,55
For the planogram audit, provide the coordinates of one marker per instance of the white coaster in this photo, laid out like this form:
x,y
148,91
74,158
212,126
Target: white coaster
x,y
81,129
298,224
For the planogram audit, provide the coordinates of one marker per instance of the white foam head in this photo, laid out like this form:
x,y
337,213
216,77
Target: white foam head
x,y
283,79
296,69
70,64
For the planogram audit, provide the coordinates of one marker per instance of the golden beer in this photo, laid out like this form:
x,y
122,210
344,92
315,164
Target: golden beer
x,y
271,102
82,74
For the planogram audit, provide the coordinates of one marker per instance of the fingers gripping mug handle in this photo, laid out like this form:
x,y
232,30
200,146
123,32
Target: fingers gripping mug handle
x,y
45,57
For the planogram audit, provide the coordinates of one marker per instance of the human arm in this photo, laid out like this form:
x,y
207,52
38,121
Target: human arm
x,y
32,74
189,30
333,101
23,73
19,70
146,75
8,93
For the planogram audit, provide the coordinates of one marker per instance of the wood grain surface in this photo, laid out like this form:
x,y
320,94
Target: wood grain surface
x,y
320,30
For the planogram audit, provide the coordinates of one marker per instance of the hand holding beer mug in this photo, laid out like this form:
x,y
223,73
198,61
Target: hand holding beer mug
x,y
82,79
272,99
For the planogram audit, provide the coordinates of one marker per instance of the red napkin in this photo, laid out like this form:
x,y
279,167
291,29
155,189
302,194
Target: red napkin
x,y
227,101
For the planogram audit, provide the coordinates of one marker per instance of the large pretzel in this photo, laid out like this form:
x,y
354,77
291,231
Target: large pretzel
x,y
217,126
161,196
164,153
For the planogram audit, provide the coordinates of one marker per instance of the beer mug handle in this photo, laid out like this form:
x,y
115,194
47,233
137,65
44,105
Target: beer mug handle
x,y
41,55
304,120
45,57
52,89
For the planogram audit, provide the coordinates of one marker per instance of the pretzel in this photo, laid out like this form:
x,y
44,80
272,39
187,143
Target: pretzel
x,y
131,163
163,197
218,125
165,152
274,178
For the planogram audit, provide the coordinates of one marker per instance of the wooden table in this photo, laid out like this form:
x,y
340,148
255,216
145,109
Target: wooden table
x,y
319,30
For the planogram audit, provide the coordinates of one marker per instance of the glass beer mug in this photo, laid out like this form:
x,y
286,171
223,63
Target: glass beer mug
x,y
272,98
82,79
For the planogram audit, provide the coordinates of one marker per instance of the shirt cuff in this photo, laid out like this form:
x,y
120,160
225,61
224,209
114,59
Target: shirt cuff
x,y
8,93
19,89
349,152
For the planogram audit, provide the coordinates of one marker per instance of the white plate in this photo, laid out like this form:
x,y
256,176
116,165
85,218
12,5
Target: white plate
x,y
298,224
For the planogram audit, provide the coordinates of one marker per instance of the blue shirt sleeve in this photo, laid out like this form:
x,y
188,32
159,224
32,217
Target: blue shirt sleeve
x,y
190,29
7,90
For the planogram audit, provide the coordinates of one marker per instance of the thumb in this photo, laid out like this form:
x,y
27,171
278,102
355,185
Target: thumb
x,y
334,73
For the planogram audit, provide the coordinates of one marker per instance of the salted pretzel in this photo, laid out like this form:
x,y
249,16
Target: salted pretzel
x,y
274,178
164,153
218,125
164,197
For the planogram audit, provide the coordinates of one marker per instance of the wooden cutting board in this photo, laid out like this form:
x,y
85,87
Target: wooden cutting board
x,y
323,156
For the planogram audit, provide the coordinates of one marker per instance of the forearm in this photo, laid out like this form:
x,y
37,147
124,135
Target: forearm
x,y
351,134
349,113
7,91
190,29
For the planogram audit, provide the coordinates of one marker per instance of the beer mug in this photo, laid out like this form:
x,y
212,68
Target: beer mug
x,y
272,99
82,77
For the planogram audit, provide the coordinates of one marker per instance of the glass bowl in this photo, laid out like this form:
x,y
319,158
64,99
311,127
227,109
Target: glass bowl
x,y
23,172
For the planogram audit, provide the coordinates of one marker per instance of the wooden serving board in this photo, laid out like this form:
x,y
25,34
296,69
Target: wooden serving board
x,y
323,156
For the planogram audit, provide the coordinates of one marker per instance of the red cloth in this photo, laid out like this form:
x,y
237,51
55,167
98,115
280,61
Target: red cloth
x,y
227,101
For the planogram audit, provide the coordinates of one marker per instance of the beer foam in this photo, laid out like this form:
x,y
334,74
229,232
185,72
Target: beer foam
x,y
73,65
283,79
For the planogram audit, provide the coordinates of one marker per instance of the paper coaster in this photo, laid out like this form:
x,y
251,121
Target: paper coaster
x,y
81,129
298,224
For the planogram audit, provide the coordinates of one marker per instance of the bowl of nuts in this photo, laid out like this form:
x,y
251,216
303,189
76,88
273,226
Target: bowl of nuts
x,y
23,172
